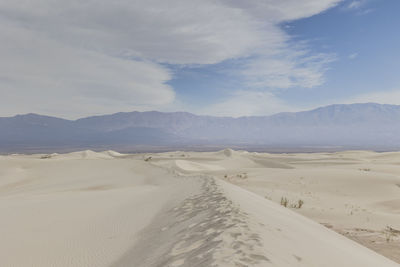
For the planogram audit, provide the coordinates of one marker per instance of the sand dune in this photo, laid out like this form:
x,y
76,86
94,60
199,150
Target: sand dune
x,y
191,166
186,209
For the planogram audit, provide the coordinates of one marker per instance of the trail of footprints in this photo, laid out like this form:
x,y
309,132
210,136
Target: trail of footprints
x,y
216,233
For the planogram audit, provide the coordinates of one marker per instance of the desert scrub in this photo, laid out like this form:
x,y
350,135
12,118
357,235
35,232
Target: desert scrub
x,y
284,201
242,175
390,233
298,205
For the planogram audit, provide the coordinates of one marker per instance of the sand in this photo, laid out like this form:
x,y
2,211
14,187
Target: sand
x,y
199,209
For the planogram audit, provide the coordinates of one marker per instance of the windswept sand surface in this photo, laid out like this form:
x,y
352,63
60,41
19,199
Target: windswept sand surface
x,y
185,209
356,193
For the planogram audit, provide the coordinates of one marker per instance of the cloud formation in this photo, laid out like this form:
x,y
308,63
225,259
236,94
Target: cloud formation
x,y
247,103
286,69
356,4
353,55
75,58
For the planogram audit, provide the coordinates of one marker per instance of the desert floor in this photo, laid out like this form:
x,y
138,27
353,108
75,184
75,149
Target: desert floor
x,y
200,209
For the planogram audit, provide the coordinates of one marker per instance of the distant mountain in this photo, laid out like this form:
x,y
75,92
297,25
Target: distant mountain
x,y
364,126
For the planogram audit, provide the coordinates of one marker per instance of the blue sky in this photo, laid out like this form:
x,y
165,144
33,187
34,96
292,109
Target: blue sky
x,y
366,44
217,57
362,40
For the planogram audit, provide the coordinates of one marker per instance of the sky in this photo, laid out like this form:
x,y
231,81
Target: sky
x,y
73,59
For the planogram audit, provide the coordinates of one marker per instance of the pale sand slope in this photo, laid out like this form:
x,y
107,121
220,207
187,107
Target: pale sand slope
x,y
80,209
357,193
108,209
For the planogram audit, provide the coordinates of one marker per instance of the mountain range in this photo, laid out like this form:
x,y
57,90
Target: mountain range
x,y
334,127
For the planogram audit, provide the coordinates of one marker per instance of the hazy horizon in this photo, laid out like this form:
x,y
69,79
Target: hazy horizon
x,y
334,127
196,114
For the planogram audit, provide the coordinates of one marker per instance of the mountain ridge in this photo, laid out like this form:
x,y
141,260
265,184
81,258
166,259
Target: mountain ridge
x,y
189,113
364,125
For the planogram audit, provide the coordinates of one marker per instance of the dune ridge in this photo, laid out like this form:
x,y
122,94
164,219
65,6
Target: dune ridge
x,y
169,209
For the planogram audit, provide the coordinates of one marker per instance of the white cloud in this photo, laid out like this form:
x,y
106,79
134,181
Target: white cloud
x,y
356,4
286,70
278,11
77,58
51,78
177,31
247,103
353,55
359,6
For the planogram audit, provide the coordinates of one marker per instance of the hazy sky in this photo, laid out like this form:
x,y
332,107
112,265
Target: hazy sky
x,y
219,57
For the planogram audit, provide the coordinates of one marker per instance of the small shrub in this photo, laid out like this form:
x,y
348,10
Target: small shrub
x,y
389,236
392,230
284,201
300,204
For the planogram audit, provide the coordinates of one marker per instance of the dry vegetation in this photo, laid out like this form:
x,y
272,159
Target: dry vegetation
x,y
296,205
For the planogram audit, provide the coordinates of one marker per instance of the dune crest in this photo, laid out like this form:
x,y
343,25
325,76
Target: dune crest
x,y
175,209
191,166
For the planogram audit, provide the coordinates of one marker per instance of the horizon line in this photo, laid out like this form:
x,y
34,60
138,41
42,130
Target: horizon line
x,y
200,115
